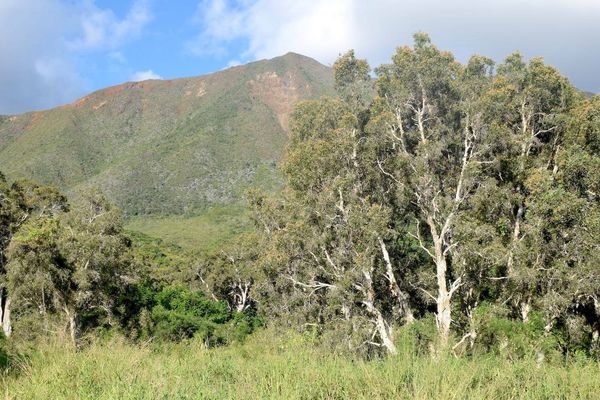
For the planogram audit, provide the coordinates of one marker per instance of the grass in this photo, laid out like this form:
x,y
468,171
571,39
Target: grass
x,y
205,232
274,367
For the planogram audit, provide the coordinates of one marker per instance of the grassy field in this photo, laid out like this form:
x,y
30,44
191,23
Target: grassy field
x,y
205,232
267,367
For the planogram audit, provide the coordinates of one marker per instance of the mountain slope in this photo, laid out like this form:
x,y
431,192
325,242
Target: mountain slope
x,y
173,147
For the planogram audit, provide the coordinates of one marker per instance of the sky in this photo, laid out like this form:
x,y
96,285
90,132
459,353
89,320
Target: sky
x,y
55,51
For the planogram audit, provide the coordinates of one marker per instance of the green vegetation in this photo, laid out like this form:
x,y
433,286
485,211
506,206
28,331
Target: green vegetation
x,y
436,235
462,192
163,149
270,366
206,232
71,265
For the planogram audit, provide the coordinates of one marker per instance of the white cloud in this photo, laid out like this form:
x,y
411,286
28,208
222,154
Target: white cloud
x,y
564,31
102,29
41,42
144,75
233,63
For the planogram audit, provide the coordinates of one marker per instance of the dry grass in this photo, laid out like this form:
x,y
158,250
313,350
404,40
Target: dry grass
x,y
268,367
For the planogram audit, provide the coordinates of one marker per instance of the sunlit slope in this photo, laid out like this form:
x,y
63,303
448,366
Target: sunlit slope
x,y
173,147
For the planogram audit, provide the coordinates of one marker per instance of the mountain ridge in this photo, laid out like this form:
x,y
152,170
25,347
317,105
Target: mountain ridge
x,y
168,147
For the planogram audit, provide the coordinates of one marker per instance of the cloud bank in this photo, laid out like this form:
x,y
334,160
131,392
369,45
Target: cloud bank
x,y
564,32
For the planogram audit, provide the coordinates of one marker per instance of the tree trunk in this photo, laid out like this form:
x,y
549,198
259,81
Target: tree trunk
x,y
595,335
1,304
524,308
73,329
443,316
515,239
6,324
401,297
595,344
241,298
383,329
73,326
385,332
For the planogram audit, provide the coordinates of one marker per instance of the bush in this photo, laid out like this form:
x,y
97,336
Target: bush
x,y
179,313
499,334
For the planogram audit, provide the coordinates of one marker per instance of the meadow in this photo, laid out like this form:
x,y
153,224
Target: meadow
x,y
274,366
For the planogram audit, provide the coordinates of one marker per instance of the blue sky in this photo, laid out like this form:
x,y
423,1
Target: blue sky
x,y
54,51
164,47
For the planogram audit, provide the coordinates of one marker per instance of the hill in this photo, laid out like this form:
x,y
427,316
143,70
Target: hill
x,y
167,149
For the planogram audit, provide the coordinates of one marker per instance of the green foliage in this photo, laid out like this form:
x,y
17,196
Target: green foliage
x,y
176,314
70,263
182,314
446,215
4,355
205,233
506,337
455,189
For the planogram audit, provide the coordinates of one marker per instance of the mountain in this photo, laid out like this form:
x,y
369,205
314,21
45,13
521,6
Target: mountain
x,y
169,150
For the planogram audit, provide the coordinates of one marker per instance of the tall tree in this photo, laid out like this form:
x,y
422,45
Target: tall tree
x,y
432,110
20,203
330,234
529,103
72,263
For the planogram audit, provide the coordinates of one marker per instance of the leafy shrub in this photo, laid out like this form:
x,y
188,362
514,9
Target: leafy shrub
x,y
421,335
182,314
176,313
514,339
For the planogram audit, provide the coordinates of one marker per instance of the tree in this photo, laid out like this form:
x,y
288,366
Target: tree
x,y
447,187
19,203
429,106
73,263
327,257
565,209
230,275
529,103
94,245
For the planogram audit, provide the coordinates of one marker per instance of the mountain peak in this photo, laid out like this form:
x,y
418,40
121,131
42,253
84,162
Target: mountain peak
x,y
168,146
291,56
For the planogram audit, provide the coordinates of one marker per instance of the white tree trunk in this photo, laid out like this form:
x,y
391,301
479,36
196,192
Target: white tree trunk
x,y
72,326
401,297
73,329
444,313
515,240
1,304
524,308
384,330
6,324
241,298
595,344
595,335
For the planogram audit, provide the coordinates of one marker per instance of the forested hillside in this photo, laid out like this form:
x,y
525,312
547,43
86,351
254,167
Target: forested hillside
x,y
168,148
437,234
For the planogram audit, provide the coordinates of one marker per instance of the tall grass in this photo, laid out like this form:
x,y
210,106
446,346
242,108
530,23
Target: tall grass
x,y
286,368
